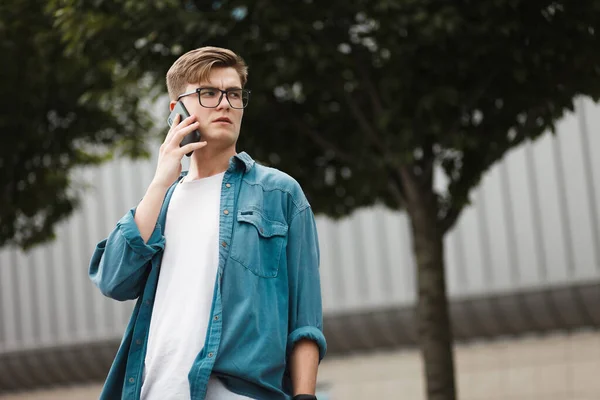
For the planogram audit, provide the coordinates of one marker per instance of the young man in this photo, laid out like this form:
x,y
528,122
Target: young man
x,y
223,259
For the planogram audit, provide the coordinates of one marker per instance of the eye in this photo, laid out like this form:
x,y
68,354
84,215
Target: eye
x,y
208,92
235,94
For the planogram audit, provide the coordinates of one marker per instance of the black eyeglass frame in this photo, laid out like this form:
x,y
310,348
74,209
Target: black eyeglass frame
x,y
223,93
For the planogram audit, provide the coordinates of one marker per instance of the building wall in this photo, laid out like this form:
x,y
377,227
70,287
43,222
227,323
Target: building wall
x,y
556,367
534,223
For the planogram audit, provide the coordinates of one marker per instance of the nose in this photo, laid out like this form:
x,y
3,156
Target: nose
x,y
224,103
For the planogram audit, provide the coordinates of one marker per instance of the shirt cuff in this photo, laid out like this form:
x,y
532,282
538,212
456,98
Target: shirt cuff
x,y
308,332
131,233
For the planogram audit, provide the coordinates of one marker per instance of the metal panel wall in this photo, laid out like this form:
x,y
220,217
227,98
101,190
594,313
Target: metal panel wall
x,y
534,224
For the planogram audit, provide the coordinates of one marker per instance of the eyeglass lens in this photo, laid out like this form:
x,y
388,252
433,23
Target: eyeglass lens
x,y
211,97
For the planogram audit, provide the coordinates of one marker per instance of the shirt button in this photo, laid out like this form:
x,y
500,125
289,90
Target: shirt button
x,y
138,342
148,302
228,185
216,317
226,212
210,355
224,244
131,380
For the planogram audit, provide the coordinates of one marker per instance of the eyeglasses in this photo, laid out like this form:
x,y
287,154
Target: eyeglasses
x,y
211,97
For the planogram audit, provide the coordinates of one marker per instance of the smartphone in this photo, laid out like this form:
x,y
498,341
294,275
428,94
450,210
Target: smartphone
x,y
193,136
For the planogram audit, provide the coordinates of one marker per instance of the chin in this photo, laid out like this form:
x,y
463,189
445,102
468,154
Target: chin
x,y
220,131
223,137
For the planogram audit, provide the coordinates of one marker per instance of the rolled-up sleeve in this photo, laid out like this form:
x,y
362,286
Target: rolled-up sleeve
x,y
120,262
305,307
132,236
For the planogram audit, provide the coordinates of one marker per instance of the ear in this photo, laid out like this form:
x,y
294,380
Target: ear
x,y
172,105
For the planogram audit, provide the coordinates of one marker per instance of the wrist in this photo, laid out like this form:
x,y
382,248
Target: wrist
x,y
158,187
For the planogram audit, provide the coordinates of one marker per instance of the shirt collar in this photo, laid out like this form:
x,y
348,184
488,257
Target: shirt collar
x,y
242,159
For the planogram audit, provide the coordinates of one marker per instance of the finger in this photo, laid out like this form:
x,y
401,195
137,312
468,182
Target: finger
x,y
189,120
191,147
172,129
180,133
177,126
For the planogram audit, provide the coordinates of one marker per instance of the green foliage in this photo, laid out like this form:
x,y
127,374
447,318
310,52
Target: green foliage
x,y
343,93
346,92
59,112
358,100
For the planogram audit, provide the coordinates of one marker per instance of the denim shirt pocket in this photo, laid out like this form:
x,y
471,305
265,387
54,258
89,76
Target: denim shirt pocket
x,y
258,242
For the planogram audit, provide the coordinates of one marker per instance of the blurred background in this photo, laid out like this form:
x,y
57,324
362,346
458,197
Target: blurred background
x,y
449,151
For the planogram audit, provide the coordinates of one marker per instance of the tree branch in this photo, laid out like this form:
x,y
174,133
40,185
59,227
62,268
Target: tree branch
x,y
450,218
447,221
319,140
395,187
454,211
364,124
370,87
409,184
428,174
427,165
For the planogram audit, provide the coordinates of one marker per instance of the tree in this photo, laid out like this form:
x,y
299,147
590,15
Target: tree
x,y
59,112
361,101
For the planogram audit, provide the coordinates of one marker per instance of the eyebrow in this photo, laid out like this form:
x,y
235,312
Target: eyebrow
x,y
227,88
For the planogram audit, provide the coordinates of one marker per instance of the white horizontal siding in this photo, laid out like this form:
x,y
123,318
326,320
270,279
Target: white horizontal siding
x,y
533,223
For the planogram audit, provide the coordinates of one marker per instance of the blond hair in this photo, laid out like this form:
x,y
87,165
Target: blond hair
x,y
195,66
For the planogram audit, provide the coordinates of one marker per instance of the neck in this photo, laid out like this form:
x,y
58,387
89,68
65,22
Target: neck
x,y
205,163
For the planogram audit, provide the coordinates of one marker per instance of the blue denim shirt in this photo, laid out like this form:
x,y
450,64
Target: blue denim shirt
x,y
267,293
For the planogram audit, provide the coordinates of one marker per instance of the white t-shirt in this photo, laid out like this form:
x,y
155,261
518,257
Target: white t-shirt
x,y
184,293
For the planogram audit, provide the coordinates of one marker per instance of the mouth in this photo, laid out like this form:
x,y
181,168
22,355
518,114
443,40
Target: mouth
x,y
223,120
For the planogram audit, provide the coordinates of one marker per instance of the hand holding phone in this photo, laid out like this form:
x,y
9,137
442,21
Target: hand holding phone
x,y
192,137
170,153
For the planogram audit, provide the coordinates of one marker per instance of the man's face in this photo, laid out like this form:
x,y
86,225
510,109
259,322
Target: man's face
x,y
219,126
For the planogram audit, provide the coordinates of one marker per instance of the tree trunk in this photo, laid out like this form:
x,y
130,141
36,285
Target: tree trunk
x,y
433,320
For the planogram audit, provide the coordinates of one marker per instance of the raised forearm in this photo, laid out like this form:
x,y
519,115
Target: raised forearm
x,y
146,213
304,365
